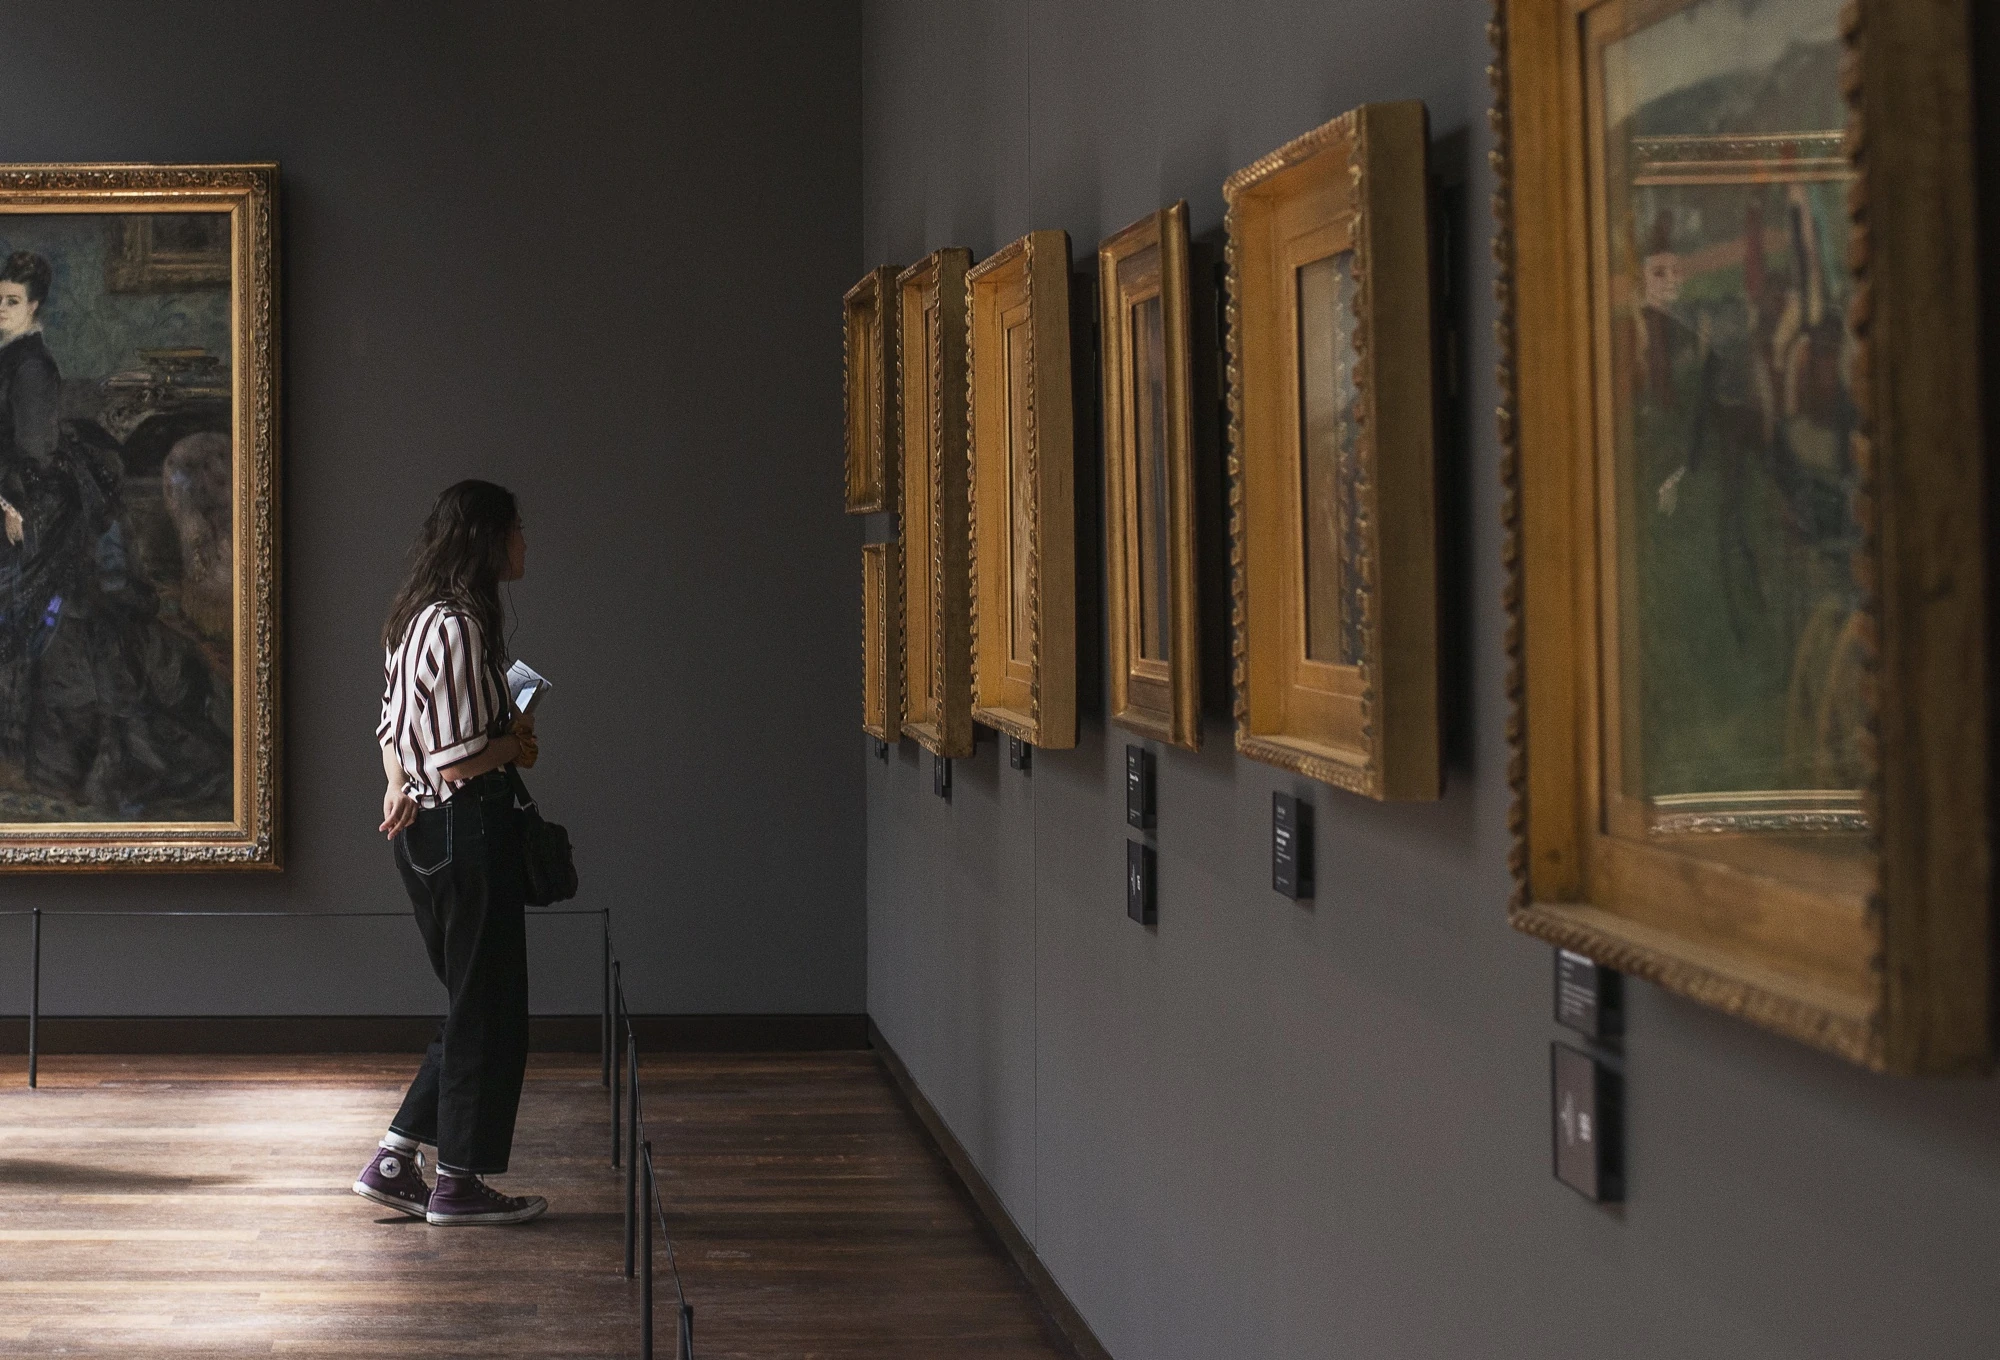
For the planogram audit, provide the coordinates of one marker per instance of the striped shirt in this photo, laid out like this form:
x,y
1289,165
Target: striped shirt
x,y
442,702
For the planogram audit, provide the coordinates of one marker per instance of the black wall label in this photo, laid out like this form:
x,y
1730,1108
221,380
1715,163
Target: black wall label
x,y
1141,875
1020,755
1586,1117
1139,787
1291,846
1589,999
941,776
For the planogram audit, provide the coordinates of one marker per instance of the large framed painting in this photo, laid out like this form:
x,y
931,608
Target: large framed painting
x,y
1148,379
872,423
1023,531
1748,578
139,509
881,649
1332,498
936,633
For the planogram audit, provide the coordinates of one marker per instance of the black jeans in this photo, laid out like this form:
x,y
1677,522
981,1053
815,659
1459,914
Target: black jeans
x,y
462,865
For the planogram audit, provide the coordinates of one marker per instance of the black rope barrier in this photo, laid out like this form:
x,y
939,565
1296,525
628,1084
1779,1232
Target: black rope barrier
x,y
35,915
643,1206
630,1145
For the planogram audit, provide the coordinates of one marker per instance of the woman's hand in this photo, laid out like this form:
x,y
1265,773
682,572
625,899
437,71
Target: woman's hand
x,y
398,810
524,737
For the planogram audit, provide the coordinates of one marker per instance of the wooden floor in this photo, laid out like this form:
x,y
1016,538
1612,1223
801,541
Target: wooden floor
x,y
199,1206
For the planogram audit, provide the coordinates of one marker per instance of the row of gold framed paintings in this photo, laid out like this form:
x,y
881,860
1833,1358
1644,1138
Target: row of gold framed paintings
x,y
959,416
1747,475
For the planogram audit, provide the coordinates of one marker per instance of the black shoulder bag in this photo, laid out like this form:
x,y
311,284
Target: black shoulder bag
x,y
548,869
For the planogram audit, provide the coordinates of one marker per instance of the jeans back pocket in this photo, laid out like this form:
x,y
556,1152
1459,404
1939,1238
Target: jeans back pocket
x,y
426,843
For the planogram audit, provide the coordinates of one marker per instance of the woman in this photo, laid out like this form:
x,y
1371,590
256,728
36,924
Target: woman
x,y
447,734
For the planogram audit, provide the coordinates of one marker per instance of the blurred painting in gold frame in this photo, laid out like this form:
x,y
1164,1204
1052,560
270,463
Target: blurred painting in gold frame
x,y
873,428
1150,564
936,637
1747,575
1332,480
881,641
1023,533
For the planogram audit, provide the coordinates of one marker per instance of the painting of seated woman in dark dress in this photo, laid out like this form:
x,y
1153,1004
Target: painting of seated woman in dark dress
x,y
116,626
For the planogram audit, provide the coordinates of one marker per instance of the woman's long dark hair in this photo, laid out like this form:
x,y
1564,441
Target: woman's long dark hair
x,y
460,553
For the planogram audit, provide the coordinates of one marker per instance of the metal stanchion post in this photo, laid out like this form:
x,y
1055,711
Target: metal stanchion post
x,y
646,1303
605,1038
631,1142
617,1111
35,1000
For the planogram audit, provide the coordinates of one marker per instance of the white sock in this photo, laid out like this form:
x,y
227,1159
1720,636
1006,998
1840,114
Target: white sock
x,y
395,1142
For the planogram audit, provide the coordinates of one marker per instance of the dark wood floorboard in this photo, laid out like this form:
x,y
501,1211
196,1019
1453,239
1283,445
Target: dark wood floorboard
x,y
198,1206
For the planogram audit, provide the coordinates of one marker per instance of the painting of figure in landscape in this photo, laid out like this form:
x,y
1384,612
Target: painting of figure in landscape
x,y
117,590
1726,346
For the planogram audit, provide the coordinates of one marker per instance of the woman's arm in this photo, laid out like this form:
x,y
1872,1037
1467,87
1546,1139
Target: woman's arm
x,y
398,808
495,753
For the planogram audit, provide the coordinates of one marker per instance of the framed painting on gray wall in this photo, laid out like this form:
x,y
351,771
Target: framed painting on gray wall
x,y
1748,604
936,632
881,642
1020,450
872,424
1332,488
1150,567
138,517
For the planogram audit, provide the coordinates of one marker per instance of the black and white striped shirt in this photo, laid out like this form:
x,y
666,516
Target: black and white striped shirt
x,y
442,701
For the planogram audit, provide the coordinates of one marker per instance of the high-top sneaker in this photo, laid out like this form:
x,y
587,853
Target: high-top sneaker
x,y
468,1199
397,1180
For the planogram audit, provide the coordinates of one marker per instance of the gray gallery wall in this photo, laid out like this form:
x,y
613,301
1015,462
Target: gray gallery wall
x,y
594,251
1264,1129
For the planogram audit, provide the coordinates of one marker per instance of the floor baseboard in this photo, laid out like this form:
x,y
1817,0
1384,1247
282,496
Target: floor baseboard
x,y
1067,1321
410,1033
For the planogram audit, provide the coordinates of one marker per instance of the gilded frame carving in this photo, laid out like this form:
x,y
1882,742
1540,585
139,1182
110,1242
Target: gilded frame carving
x,y
249,838
882,643
1362,714
1156,695
873,426
1020,445
1894,971
932,504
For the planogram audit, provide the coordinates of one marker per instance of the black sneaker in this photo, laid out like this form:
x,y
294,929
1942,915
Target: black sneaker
x,y
469,1200
396,1179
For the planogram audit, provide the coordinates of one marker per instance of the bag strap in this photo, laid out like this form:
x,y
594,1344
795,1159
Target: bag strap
x,y
522,798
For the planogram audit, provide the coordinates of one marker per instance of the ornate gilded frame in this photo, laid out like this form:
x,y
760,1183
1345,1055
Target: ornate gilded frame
x,y
1021,448
882,644
1369,726
932,504
250,839
1157,696
872,424
1896,976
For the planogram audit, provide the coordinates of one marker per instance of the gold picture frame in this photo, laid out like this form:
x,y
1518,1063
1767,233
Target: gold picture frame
x,y
1746,471
872,423
881,647
937,631
1150,568
1332,499
1021,447
168,443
